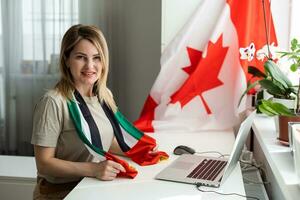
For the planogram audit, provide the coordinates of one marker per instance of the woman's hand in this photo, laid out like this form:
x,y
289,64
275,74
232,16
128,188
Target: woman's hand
x,y
47,164
155,149
108,170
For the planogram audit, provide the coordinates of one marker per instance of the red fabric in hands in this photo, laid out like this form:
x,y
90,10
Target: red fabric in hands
x,y
142,153
130,171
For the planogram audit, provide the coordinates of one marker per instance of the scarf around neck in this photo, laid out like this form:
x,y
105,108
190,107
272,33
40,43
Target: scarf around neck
x,y
134,143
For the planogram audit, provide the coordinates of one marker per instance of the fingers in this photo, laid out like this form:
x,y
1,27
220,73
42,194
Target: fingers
x,y
117,166
155,149
109,176
108,170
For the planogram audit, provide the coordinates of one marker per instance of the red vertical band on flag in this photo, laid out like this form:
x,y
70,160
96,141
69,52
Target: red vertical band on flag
x,y
248,19
144,123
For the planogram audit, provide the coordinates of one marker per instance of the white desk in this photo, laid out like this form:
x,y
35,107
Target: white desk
x,y
277,160
145,187
17,177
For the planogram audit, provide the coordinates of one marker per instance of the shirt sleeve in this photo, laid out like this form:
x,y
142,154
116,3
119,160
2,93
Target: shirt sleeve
x,y
47,122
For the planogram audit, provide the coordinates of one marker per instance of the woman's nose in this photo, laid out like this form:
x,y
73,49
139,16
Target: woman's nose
x,y
90,63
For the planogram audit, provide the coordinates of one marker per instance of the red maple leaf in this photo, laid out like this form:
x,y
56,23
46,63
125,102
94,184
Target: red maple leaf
x,y
203,73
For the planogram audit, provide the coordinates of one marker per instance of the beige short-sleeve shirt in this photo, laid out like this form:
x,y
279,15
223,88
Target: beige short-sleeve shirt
x,y
53,127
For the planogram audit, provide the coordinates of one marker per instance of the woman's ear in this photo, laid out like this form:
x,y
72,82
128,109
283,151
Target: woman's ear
x,y
66,61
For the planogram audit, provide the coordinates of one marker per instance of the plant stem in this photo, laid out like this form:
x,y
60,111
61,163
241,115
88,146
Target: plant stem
x,y
298,99
266,28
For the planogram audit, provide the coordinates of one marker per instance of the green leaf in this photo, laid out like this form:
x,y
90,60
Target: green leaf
x,y
252,85
266,110
294,57
275,108
292,90
277,74
294,44
283,53
272,88
256,72
294,67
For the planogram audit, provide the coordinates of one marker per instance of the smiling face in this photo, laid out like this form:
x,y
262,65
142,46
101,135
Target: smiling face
x,y
85,66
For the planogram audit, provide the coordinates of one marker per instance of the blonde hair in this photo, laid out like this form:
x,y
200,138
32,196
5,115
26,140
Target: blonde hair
x,y
71,38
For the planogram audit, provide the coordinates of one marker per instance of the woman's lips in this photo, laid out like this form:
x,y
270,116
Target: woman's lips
x,y
88,73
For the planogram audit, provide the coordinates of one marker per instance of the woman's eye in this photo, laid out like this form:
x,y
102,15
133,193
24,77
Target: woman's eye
x,y
79,57
97,58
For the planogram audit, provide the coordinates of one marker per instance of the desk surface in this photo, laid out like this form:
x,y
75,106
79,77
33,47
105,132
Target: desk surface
x,y
145,187
279,157
17,168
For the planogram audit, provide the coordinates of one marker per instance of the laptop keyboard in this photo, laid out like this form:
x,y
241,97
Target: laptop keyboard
x,y
208,169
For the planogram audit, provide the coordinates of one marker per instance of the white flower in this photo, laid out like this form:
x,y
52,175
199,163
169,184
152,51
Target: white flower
x,y
263,52
247,52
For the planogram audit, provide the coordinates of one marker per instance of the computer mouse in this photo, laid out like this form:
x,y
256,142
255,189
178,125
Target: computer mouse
x,y
182,149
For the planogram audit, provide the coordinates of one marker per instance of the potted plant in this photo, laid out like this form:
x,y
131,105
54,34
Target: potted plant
x,y
276,83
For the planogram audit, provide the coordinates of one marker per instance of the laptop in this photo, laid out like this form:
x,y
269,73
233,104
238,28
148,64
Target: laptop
x,y
208,171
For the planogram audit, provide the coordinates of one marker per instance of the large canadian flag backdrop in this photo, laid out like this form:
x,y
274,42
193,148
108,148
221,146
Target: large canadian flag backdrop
x,y
204,68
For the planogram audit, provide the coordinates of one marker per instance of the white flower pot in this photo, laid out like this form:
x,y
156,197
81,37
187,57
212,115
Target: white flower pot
x,y
289,103
267,95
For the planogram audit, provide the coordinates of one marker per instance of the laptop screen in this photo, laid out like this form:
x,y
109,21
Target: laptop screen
x,y
239,144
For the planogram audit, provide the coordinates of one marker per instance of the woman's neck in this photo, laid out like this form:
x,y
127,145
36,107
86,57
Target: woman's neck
x,y
88,92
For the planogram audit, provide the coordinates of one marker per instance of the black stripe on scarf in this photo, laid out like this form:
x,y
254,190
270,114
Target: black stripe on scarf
x,y
116,127
95,134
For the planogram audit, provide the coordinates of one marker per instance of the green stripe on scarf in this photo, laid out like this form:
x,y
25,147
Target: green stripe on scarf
x,y
140,152
127,126
73,109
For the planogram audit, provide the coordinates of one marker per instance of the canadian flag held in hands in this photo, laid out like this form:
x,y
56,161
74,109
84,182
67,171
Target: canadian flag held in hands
x,y
204,69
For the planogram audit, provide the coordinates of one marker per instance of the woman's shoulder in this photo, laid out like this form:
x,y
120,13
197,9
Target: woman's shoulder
x,y
54,94
53,97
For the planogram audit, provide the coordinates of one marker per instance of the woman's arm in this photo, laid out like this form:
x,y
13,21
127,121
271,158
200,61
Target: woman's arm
x,y
47,164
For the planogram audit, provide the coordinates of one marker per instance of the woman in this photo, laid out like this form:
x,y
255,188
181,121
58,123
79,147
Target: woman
x,y
63,149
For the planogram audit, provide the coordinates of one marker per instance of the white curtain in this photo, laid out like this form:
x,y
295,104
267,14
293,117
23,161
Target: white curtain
x,y
30,41
12,56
